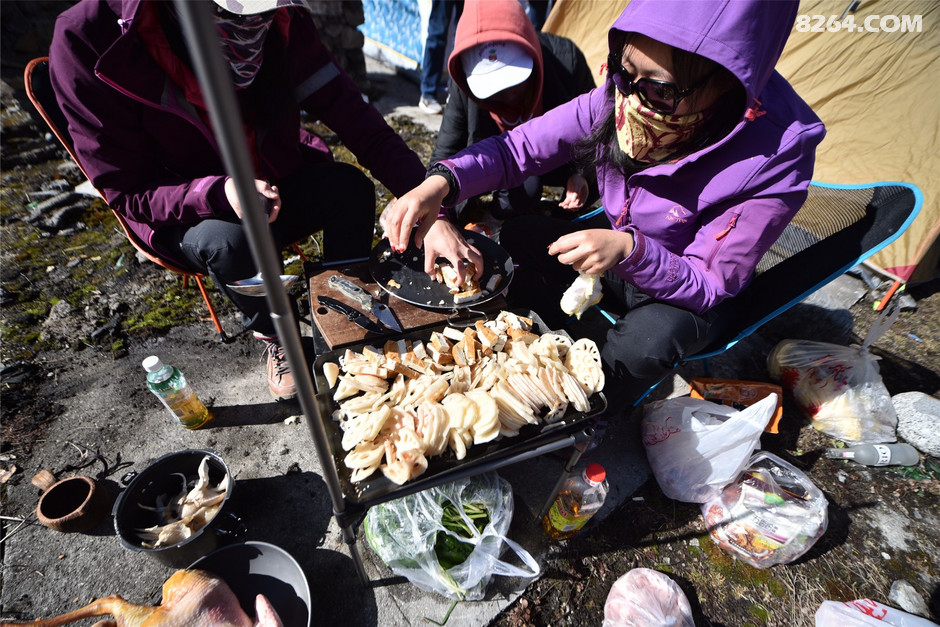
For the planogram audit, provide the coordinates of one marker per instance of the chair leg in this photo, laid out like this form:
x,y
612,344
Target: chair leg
x,y
299,252
209,306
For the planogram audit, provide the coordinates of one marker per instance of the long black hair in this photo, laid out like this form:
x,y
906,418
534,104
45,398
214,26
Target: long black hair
x,y
601,145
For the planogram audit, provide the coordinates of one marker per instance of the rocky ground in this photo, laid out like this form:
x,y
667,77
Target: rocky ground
x,y
73,290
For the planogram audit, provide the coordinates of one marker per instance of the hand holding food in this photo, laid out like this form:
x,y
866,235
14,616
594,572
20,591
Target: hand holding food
x,y
576,192
417,207
592,251
445,241
270,198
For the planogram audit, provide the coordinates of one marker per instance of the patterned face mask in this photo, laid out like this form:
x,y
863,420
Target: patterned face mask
x,y
242,39
648,136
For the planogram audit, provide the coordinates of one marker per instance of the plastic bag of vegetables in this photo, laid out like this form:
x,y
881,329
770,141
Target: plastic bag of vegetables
x,y
449,539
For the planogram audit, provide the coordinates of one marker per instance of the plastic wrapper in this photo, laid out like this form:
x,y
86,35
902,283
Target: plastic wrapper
x,y
645,597
696,447
838,387
771,514
403,533
865,613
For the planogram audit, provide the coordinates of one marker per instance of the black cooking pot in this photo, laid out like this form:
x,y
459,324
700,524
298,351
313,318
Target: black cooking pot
x,y
253,568
164,478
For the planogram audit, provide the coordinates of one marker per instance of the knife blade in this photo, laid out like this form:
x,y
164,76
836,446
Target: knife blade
x,y
352,314
381,311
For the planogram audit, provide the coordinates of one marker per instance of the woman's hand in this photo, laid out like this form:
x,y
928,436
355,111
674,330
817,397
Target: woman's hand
x,y
419,206
270,198
444,240
593,250
576,192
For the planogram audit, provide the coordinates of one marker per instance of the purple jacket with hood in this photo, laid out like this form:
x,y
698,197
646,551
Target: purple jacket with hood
x,y
145,147
701,223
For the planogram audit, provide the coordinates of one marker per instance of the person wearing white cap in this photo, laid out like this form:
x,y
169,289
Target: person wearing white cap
x,y
123,77
503,73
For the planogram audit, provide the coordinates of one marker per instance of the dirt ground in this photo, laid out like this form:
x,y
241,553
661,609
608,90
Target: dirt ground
x,y
884,523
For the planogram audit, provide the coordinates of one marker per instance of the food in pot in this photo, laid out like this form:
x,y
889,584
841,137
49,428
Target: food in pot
x,y
187,512
190,597
412,400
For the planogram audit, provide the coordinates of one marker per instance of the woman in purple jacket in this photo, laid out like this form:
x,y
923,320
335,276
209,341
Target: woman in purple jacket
x,y
703,155
139,122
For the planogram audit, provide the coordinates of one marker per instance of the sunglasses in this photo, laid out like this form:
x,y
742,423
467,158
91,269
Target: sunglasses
x,y
660,96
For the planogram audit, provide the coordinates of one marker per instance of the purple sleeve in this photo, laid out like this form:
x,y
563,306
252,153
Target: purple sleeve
x,y
111,145
731,238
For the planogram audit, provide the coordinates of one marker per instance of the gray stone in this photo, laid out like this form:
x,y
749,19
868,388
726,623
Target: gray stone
x,y
904,596
919,421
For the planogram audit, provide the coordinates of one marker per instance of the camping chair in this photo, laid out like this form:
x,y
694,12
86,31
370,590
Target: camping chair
x,y
838,227
39,90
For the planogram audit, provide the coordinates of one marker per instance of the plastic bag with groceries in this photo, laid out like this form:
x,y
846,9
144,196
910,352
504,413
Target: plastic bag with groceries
x,y
838,387
696,447
865,613
644,597
772,514
448,539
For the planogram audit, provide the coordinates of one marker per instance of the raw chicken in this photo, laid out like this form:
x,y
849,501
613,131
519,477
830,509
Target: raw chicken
x,y
191,598
645,597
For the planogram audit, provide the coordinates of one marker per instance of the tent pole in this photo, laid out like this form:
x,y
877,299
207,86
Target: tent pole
x,y
213,75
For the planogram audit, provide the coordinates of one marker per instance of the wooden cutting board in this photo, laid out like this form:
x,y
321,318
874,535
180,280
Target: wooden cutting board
x,y
337,331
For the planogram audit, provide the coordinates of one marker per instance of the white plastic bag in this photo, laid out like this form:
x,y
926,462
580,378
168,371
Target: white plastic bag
x,y
644,597
772,513
839,387
696,447
403,533
865,613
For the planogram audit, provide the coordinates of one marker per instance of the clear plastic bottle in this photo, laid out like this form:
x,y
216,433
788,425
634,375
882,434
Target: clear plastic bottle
x,y
579,498
878,454
169,385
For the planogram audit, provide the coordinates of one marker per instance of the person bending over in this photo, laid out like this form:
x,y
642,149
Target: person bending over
x,y
703,155
503,73
139,121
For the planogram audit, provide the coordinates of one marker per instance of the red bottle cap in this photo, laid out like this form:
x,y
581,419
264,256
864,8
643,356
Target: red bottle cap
x,y
595,473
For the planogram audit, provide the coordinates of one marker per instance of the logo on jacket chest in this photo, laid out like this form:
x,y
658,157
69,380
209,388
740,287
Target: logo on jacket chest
x,y
678,214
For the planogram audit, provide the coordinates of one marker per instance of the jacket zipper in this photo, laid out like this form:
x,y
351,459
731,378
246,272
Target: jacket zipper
x,y
719,238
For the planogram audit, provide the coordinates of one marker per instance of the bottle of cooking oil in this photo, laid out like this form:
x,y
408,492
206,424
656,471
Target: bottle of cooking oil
x,y
579,498
169,385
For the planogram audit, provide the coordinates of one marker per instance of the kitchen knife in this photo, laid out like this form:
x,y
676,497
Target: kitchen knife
x,y
352,314
353,291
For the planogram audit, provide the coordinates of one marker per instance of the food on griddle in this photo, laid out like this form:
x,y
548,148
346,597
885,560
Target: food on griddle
x,y
464,291
413,400
185,513
190,597
392,283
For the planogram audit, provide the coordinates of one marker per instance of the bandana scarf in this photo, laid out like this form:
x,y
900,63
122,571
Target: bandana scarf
x,y
648,136
242,41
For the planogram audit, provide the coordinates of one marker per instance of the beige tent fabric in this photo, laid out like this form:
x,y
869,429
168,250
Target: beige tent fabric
x,y
877,92
586,23
879,96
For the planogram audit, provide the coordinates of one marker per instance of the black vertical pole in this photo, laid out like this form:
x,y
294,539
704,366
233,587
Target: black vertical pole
x,y
217,88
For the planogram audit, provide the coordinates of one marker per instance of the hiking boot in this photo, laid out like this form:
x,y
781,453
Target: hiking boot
x,y
280,378
430,105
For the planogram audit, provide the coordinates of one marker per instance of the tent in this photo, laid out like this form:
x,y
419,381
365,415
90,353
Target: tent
x,y
873,77
395,31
